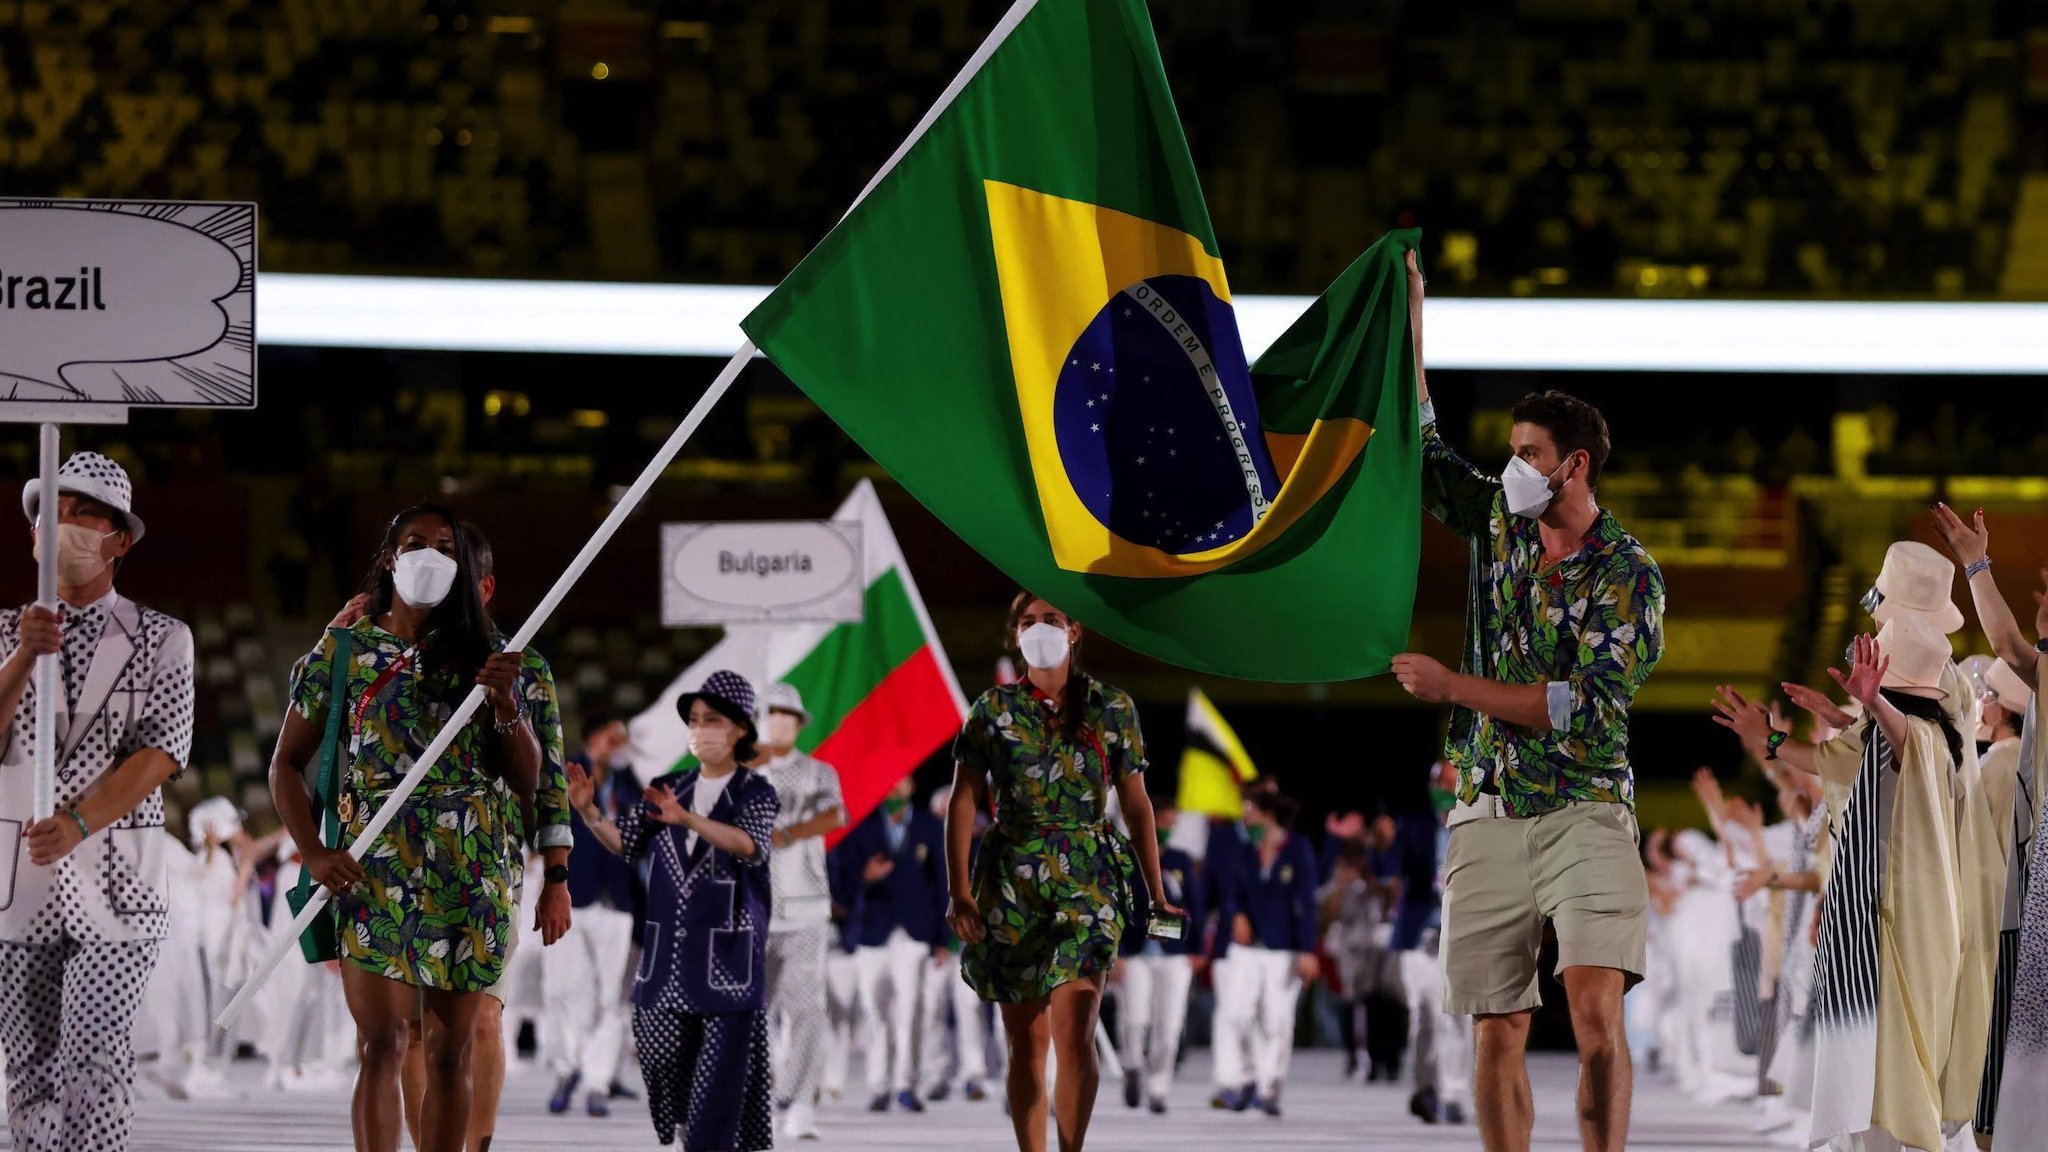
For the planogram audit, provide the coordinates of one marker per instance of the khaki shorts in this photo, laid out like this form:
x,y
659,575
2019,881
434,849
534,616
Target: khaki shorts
x,y
1575,867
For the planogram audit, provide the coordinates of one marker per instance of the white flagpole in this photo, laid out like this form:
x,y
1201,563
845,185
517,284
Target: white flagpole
x,y
44,801
289,941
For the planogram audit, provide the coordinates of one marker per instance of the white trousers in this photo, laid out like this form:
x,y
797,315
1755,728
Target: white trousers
x,y
796,1010
583,982
842,1013
1258,994
1153,1006
892,979
309,1028
960,1051
1441,1043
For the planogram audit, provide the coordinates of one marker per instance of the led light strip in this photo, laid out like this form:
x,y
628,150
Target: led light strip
x,y
1461,332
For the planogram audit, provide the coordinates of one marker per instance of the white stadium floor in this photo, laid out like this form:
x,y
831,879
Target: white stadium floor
x,y
1322,1111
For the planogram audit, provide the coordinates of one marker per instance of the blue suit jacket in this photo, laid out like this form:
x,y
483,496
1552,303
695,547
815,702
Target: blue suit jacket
x,y
705,938
1183,887
1281,903
913,896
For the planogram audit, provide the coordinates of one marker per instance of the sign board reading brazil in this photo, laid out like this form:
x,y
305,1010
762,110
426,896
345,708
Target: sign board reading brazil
x,y
761,572
127,303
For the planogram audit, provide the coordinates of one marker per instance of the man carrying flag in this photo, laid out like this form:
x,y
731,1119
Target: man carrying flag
x,y
1565,624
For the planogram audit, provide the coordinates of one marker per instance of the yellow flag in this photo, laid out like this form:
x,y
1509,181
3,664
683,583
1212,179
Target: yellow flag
x,y
1213,766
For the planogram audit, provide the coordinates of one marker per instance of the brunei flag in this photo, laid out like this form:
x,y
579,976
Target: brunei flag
x,y
1213,764
1026,321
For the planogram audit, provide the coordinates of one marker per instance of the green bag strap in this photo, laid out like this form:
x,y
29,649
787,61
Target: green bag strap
x,y
327,785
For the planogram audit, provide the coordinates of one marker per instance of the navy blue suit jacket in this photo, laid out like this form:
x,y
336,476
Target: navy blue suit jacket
x,y
913,896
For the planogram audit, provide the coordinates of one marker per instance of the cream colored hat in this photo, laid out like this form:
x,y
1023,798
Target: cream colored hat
x,y
2004,683
1917,580
1918,653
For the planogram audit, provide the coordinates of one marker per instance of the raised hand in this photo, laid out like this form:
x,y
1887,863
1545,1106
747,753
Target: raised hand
x,y
1752,881
582,789
1708,790
667,808
1742,716
1967,542
1817,703
1866,671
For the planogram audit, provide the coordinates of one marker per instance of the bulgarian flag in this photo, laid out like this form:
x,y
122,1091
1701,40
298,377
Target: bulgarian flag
x,y
1025,319
881,694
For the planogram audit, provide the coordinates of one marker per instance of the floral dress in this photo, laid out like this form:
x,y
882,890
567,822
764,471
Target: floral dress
x,y
1054,880
436,907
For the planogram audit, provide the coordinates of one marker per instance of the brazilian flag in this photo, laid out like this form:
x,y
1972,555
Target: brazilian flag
x,y
1027,323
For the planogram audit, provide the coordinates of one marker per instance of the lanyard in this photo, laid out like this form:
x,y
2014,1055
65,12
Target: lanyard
x,y
378,685
1093,737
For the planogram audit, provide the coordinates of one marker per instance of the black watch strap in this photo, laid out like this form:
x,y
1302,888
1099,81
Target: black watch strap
x,y
556,874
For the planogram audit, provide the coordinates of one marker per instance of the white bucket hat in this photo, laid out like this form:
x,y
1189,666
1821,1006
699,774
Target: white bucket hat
x,y
780,697
2005,684
1918,653
90,474
216,815
1916,579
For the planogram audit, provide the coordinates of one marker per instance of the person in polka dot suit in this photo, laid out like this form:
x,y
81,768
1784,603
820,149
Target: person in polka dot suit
x,y
83,908
700,1016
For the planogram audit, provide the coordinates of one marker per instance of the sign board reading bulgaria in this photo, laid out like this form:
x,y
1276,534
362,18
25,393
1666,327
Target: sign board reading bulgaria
x,y
125,303
761,572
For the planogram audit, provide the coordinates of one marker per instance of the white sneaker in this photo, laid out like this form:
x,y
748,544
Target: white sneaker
x,y
803,1121
206,1081
1796,1134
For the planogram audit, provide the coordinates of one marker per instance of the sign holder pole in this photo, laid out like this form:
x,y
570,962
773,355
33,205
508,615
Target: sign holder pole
x,y
46,597
50,434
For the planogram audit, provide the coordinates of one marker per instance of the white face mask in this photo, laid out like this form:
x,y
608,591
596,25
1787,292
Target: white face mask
x,y
1528,490
79,559
712,746
1044,645
423,577
779,729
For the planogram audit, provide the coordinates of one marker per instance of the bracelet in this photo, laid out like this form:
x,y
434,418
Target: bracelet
x,y
1980,564
518,716
84,831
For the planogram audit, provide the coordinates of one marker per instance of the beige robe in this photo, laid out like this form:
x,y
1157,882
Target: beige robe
x,y
1919,956
1980,872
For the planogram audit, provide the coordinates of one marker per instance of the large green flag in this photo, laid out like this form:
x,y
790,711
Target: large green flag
x,y
1026,322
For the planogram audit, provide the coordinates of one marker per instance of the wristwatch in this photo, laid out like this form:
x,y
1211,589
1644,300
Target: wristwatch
x,y
1771,743
556,874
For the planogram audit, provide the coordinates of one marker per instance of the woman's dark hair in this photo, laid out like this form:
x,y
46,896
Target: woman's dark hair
x,y
1922,708
457,638
747,745
1283,809
1074,700
596,719
1575,425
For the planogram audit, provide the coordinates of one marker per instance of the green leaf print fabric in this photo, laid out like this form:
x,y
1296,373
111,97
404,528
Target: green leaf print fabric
x,y
435,907
1054,878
